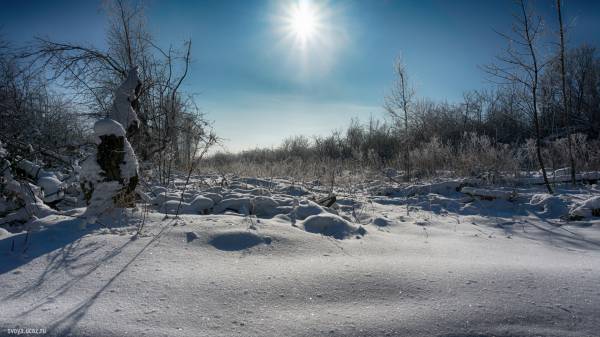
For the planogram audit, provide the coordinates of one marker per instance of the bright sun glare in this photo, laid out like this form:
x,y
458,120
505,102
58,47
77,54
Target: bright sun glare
x,y
311,32
303,20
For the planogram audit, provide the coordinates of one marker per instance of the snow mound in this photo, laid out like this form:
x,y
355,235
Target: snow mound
x,y
587,209
551,205
330,225
307,208
239,205
264,206
199,205
170,207
237,240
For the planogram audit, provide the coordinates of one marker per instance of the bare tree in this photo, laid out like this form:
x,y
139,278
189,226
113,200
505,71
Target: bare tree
x,y
522,65
565,102
397,104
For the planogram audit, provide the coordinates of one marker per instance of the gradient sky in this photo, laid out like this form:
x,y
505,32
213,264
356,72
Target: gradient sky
x,y
259,86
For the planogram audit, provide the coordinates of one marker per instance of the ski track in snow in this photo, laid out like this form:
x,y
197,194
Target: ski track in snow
x,y
492,268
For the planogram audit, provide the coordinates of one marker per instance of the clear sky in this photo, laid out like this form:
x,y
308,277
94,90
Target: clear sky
x,y
261,78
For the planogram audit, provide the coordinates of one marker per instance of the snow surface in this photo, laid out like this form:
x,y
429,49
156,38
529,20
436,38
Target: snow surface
x,y
426,265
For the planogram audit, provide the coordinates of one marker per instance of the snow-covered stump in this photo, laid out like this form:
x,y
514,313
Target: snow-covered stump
x,y
109,177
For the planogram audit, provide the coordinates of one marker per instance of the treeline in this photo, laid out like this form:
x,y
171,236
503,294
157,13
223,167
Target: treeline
x,y
489,132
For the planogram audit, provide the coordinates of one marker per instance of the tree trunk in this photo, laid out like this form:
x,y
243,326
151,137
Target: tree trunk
x,y
564,92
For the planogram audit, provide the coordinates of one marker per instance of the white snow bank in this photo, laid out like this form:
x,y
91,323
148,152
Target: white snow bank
x,y
330,225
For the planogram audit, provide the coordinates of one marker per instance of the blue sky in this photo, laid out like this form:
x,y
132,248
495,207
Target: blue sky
x,y
258,85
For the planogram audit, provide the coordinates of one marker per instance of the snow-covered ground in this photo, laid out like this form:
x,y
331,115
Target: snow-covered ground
x,y
251,259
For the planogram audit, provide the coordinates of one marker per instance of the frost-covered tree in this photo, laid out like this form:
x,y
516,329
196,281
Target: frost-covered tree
x,y
398,104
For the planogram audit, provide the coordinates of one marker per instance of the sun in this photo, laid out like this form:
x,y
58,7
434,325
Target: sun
x,y
310,33
303,20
